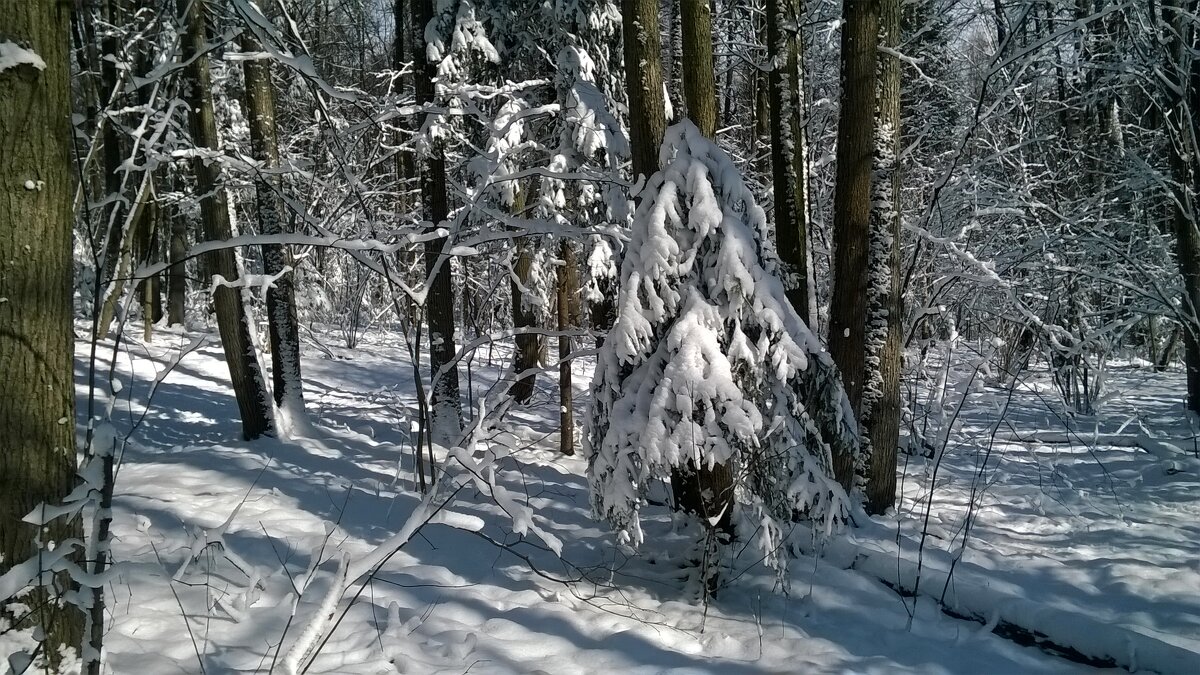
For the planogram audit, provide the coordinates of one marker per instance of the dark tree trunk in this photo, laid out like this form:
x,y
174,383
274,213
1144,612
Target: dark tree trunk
x,y
699,74
282,325
234,327
116,239
881,413
852,209
705,491
673,60
177,272
37,401
528,345
761,102
402,53
446,412
146,251
643,76
789,170
1183,70
568,284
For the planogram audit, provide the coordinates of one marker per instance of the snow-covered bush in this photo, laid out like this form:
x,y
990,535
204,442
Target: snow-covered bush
x,y
708,362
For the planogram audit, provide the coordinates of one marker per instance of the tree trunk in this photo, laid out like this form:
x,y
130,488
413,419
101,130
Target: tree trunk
x,y
699,75
1183,134
1168,351
282,325
402,53
643,75
232,323
37,402
116,240
705,491
881,404
528,345
446,410
762,105
789,168
177,272
146,251
568,285
852,209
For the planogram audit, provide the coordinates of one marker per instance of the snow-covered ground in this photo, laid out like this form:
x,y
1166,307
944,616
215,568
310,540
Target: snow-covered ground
x,y
1108,535
1098,517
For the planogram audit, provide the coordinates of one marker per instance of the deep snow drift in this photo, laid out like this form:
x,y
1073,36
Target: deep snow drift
x,y
216,538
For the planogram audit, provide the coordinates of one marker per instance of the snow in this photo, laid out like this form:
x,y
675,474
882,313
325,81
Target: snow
x,y
249,527
13,55
1085,533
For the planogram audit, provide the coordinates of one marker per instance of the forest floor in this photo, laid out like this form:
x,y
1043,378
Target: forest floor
x,y
1088,537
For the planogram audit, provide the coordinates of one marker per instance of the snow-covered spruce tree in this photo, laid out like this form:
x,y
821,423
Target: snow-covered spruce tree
x,y
709,362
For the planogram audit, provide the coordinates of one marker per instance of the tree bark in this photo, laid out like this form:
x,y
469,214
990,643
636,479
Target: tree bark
x,y
232,323
282,325
705,491
761,97
37,402
116,239
568,286
673,60
643,76
1180,116
881,409
146,251
446,406
402,54
528,345
852,209
789,168
177,272
699,75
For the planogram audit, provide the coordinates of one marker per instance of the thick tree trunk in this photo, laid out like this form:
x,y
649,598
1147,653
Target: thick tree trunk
x,y
234,327
643,76
789,170
37,402
282,325
881,404
1183,69
446,406
705,491
699,74
852,209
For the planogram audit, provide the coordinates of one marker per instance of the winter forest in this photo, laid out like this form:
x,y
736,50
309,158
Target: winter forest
x,y
582,336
